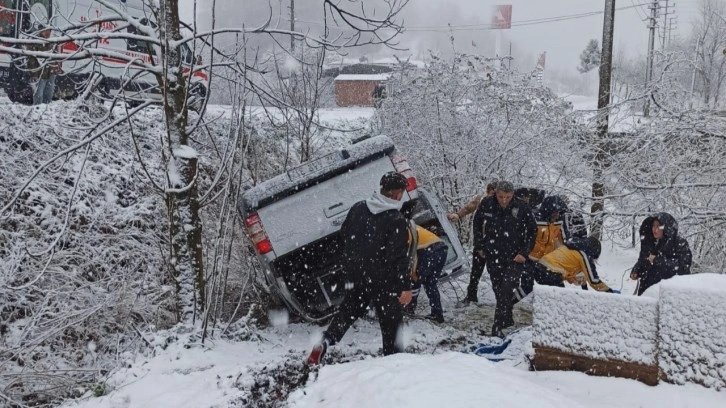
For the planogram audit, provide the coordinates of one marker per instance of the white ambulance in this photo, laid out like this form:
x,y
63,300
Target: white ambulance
x,y
20,18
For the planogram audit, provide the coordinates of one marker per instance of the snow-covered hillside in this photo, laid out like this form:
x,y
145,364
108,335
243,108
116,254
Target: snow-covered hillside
x,y
96,313
84,238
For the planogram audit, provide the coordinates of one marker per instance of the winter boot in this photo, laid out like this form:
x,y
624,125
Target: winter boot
x,y
438,318
468,300
316,356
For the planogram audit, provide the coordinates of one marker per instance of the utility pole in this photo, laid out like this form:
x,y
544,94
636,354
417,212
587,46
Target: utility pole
x,y
292,24
652,23
667,23
603,108
693,77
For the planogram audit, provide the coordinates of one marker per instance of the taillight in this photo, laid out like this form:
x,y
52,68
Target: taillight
x,y
401,165
411,183
257,234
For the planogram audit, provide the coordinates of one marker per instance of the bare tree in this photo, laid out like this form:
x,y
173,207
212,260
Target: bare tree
x,y
709,32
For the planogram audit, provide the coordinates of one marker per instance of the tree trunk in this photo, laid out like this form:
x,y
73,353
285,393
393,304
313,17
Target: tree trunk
x,y
603,101
706,92
182,201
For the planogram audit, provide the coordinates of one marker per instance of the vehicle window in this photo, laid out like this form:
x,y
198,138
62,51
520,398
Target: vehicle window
x,y
140,45
186,54
38,14
7,18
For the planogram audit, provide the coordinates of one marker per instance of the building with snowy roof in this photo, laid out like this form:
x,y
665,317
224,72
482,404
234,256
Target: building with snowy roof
x,y
360,89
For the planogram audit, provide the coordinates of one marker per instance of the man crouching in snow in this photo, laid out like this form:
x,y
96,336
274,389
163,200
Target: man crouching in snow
x,y
573,262
374,239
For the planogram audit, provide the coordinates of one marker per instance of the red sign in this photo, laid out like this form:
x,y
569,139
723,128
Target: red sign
x,y
502,17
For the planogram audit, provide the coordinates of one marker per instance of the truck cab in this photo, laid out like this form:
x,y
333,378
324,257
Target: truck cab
x,y
294,219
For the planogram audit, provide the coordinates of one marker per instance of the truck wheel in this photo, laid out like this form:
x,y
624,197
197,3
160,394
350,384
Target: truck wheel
x,y
101,93
197,94
20,94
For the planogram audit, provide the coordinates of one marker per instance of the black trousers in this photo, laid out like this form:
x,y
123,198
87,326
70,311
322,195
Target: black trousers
x,y
354,306
431,261
505,276
650,275
536,272
477,270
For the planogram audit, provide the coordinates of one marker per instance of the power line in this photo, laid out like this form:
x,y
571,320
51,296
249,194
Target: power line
x,y
486,26
519,23
642,17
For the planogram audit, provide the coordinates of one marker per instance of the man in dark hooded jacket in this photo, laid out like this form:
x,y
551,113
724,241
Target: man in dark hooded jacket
x,y
375,244
663,253
504,233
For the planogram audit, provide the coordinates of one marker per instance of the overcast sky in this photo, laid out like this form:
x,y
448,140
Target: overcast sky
x,y
426,22
563,40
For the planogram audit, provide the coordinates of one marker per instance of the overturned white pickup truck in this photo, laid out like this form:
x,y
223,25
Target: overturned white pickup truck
x,y
294,218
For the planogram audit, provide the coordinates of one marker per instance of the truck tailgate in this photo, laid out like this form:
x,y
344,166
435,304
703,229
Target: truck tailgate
x,y
320,210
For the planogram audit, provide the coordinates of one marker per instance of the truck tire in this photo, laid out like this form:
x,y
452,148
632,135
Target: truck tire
x,y
20,94
196,96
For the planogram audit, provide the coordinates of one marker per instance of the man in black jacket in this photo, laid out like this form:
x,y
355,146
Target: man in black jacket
x,y
663,253
374,238
504,234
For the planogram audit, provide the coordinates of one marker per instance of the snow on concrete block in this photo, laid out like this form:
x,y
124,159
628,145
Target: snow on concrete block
x,y
597,333
693,330
597,325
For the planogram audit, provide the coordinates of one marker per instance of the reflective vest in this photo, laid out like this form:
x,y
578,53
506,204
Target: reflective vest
x,y
550,236
574,266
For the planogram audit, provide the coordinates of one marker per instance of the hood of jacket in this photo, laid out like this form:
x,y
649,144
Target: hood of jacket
x,y
549,206
670,226
379,203
532,196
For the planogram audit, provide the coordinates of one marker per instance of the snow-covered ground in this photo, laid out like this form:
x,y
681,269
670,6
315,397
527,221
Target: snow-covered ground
x,y
440,370
326,115
622,118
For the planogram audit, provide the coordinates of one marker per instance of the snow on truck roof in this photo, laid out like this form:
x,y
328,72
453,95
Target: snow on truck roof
x,y
308,172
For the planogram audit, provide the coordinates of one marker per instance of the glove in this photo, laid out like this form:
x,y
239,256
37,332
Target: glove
x,y
614,291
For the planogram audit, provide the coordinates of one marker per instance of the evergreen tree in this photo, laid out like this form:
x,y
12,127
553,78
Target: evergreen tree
x,y
590,57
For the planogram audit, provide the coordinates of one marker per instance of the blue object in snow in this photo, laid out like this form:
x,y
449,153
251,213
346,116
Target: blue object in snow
x,y
486,350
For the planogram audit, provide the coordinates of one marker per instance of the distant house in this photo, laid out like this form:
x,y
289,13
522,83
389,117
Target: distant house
x,y
359,89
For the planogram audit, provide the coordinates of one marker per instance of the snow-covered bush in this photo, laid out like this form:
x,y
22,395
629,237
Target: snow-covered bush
x,y
81,261
83,248
461,124
673,165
